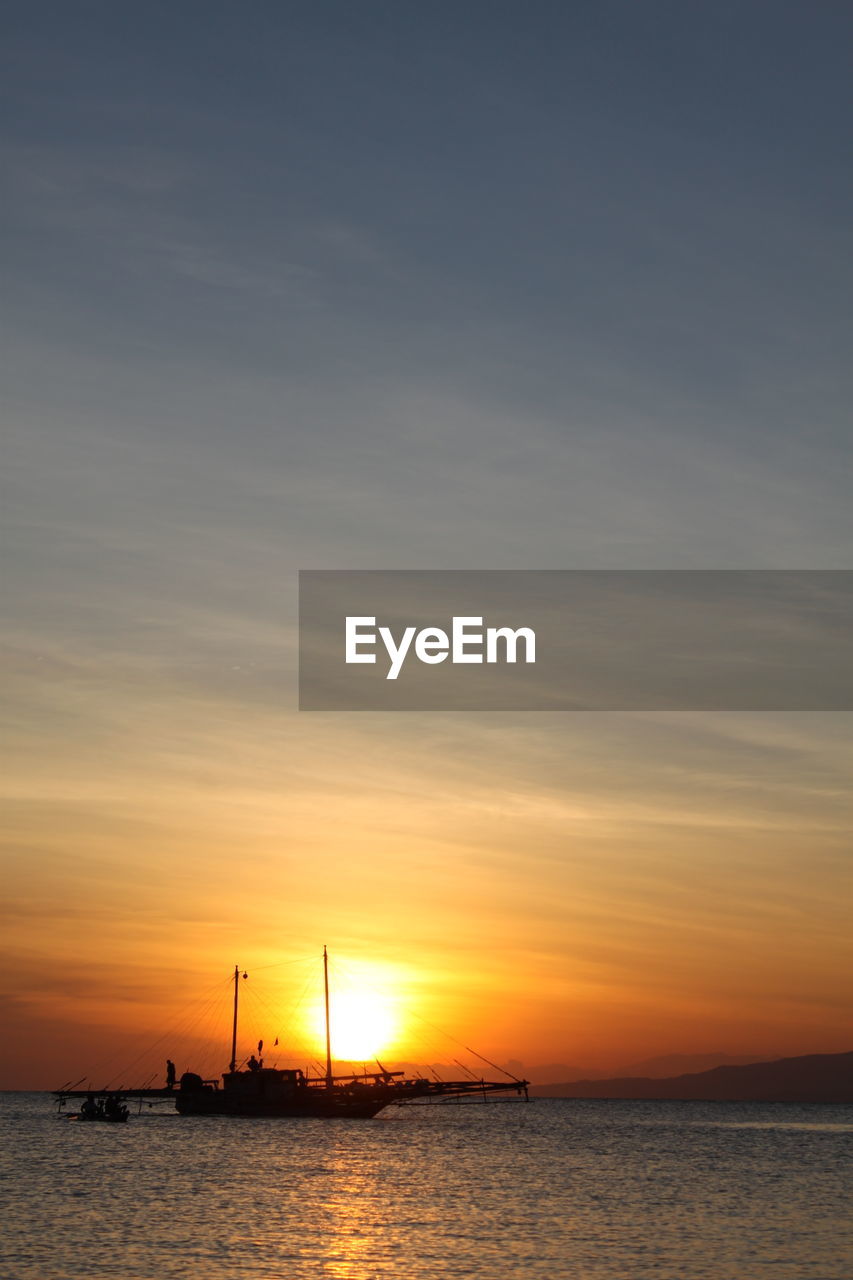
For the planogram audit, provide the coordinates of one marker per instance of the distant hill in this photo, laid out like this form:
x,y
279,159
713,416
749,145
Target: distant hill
x,y
817,1077
562,1071
674,1064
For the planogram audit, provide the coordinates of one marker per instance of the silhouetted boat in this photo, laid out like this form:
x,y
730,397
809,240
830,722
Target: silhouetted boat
x,y
272,1091
106,1109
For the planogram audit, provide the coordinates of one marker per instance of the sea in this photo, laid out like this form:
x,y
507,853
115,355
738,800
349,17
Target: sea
x,y
554,1188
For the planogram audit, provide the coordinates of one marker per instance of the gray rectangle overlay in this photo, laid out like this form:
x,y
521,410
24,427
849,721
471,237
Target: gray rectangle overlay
x,y
604,640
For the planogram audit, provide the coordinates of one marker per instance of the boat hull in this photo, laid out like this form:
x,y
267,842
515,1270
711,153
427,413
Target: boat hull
x,y
218,1104
269,1092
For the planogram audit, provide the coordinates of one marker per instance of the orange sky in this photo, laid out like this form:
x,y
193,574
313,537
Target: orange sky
x,y
585,890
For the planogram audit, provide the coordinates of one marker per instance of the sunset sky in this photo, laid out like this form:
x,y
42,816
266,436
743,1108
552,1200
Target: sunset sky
x,y
409,286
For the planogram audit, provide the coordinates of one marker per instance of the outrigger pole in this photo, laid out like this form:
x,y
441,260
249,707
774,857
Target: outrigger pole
x,y
328,1029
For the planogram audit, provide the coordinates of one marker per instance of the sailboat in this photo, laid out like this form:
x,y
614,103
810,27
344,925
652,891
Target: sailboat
x,y
257,1090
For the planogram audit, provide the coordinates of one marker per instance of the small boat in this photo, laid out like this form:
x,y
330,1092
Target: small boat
x,y
108,1109
272,1091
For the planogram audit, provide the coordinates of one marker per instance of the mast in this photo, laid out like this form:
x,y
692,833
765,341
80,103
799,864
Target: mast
x,y
234,1027
328,1029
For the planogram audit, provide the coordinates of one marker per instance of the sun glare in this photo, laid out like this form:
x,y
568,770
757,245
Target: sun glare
x,y
363,1026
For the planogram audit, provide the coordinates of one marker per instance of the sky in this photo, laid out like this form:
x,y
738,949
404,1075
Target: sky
x,y
406,286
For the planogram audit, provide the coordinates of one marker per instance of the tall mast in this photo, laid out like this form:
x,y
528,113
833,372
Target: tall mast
x,y
234,1028
328,1029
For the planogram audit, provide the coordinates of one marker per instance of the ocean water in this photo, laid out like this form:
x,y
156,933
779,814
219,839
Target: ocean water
x,y
551,1189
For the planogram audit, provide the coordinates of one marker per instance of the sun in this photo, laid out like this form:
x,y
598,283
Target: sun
x,y
362,1026
362,1023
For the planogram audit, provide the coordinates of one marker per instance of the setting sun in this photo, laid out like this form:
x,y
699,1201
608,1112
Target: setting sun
x,y
362,1026
364,1014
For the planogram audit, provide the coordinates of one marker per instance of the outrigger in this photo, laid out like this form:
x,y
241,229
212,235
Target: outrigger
x,y
274,1091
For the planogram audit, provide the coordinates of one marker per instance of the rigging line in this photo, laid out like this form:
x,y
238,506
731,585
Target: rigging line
x,y
489,1063
290,1014
339,970
256,1019
467,1070
279,964
263,1019
108,1062
259,1000
263,1013
210,1038
182,1027
467,1048
296,1004
175,1031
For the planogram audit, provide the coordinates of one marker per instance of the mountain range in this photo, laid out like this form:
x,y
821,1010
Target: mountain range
x,y
817,1077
